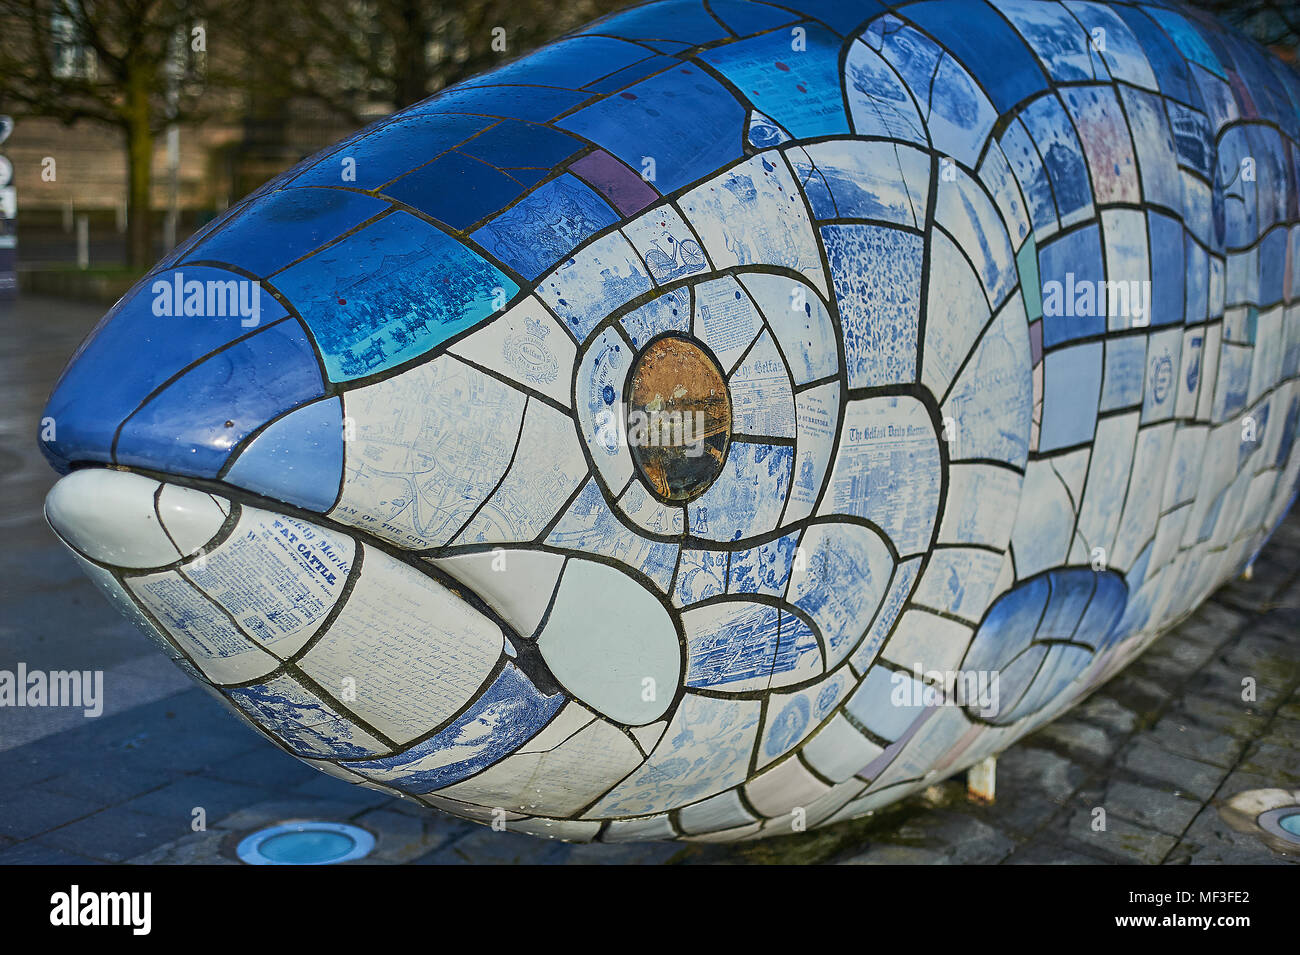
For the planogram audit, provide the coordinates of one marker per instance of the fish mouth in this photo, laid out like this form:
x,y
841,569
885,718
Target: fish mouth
x,y
76,521
243,590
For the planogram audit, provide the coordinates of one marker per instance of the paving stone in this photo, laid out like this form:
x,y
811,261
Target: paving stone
x,y
322,786
1210,840
34,852
1108,713
1243,721
115,834
1161,670
960,838
485,846
1049,774
1080,741
401,837
886,854
1186,654
28,812
1138,694
1121,838
1152,808
1046,851
1185,775
265,766
1277,762
1179,735
267,813
1212,624
109,782
178,800
197,848
622,853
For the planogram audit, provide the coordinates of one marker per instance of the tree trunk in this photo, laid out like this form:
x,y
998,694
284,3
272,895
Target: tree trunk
x,y
139,161
410,67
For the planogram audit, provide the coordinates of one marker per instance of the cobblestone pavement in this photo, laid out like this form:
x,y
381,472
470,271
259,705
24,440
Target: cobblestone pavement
x,y
1160,748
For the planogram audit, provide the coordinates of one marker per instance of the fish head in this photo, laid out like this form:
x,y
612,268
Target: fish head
x,y
471,461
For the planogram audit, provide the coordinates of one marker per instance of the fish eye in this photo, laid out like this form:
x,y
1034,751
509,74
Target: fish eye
x,y
678,417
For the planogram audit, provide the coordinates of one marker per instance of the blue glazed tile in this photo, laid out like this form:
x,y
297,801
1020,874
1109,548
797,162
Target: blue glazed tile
x,y
669,312
800,90
631,74
837,552
1062,156
132,351
877,275
762,569
514,708
811,179
1009,625
1071,272
545,226
191,426
678,20
568,64
747,497
392,149
389,293
1125,368
1167,271
582,300
1197,292
1192,138
701,574
1071,593
738,643
1096,628
1272,266
1057,38
1072,384
1154,142
746,19
1187,39
456,189
705,133
285,226
961,116
798,644
301,720
298,458
513,143
1164,358
1030,172
1166,62
986,45
879,103
912,54
843,18
873,704
536,104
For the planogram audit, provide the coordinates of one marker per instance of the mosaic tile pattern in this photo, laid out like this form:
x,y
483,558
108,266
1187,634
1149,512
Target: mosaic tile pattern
x,y
1007,300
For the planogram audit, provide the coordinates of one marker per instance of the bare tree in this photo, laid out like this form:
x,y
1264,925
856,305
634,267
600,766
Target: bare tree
x,y
356,55
136,65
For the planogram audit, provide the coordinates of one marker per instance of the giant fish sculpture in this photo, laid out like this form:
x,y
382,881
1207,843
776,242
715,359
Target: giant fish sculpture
x,y
730,418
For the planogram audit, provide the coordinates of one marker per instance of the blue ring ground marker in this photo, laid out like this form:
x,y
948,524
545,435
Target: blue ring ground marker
x,y
305,843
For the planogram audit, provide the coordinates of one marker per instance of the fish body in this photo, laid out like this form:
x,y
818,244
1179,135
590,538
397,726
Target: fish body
x,y
964,341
